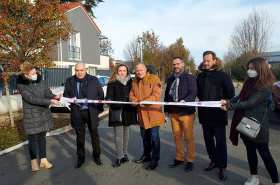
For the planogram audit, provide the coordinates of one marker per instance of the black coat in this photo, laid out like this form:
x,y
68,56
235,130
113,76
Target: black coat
x,y
94,92
213,86
116,91
36,98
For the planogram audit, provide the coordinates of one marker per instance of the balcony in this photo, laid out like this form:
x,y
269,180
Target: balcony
x,y
74,52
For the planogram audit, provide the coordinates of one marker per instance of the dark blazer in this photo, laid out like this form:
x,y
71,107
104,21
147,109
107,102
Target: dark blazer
x,y
213,86
186,91
94,92
36,97
255,106
116,91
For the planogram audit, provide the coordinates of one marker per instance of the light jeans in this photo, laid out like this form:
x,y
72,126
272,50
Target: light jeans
x,y
121,140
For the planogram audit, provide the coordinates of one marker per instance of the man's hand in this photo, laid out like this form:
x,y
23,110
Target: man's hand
x,y
182,101
134,105
142,105
55,102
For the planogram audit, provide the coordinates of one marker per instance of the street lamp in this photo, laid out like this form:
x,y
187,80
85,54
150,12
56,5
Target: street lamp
x,y
141,48
189,69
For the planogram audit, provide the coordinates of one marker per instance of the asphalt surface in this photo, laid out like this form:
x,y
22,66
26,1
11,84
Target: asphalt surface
x,y
61,152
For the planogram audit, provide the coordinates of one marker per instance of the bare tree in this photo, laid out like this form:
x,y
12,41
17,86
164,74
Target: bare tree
x,y
251,36
132,50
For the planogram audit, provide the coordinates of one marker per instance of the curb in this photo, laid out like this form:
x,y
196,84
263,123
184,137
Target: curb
x,y
49,133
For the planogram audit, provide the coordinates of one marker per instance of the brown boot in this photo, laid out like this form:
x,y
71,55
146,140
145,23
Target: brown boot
x,y
34,165
45,163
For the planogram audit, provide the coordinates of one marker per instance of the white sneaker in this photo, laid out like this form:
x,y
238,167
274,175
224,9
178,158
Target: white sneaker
x,y
252,181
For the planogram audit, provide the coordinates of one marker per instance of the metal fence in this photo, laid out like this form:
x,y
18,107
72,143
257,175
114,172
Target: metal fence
x,y
53,77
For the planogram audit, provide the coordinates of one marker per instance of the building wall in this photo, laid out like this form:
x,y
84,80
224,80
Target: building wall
x,y
89,39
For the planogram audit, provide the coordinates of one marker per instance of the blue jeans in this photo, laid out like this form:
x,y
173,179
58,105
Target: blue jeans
x,y
266,157
151,142
37,141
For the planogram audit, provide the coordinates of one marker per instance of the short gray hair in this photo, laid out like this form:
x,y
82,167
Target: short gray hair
x,y
138,63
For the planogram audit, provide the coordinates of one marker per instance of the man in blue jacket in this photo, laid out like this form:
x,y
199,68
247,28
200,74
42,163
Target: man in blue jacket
x,y
181,87
85,86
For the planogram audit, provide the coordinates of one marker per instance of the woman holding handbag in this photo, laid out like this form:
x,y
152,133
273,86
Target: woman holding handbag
x,y
121,116
252,102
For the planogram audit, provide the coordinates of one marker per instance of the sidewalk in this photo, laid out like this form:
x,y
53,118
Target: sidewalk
x,y
61,152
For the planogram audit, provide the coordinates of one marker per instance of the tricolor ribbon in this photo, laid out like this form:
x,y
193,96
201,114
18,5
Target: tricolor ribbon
x,y
198,104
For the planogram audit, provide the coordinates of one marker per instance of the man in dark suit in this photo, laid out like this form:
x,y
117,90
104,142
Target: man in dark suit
x,y
85,86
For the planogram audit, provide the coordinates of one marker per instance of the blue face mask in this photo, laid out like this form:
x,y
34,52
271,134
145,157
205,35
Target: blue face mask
x,y
34,77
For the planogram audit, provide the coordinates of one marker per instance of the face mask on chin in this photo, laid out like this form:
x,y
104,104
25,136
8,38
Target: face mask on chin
x,y
252,73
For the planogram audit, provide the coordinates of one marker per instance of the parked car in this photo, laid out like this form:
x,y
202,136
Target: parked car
x,y
66,107
275,104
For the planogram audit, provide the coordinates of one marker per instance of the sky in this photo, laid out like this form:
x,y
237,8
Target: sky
x,y
203,24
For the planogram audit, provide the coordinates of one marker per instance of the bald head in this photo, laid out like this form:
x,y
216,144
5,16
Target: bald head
x,y
80,70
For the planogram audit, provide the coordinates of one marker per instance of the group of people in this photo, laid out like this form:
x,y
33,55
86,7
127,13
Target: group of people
x,y
212,84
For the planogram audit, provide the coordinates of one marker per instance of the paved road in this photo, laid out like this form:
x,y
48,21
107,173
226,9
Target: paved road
x,y
61,151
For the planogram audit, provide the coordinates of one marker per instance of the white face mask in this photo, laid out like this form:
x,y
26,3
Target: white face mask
x,y
252,73
34,77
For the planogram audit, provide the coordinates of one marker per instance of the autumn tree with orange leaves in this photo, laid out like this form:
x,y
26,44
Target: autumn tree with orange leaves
x,y
178,49
29,32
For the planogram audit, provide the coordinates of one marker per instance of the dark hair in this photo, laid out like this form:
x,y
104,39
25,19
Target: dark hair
x,y
265,76
210,52
178,57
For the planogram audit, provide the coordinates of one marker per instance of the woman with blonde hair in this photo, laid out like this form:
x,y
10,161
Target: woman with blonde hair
x,y
252,102
37,118
121,116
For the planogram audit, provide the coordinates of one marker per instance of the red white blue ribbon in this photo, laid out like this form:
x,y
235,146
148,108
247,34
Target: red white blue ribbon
x,y
197,104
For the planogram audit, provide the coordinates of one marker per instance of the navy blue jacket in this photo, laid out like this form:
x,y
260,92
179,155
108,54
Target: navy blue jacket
x,y
94,92
186,91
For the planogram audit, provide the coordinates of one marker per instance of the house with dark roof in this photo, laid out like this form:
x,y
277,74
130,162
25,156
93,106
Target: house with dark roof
x,y
84,42
273,57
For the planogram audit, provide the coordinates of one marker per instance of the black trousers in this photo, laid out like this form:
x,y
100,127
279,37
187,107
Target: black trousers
x,y
217,150
264,152
37,141
80,140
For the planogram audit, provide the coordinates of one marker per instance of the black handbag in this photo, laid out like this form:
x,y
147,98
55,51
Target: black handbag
x,y
115,115
250,127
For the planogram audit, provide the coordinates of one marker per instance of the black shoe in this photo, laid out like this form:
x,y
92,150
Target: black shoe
x,y
143,159
175,163
125,159
210,166
189,166
98,161
152,166
80,163
118,163
223,174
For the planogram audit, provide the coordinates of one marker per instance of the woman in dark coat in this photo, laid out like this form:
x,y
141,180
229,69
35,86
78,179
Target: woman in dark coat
x,y
118,89
37,118
252,101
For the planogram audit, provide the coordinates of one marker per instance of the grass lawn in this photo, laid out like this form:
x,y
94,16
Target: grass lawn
x,y
10,136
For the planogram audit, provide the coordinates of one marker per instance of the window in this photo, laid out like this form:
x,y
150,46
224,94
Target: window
x,y
74,51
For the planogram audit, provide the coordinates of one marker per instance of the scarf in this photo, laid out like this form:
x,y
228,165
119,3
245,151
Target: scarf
x,y
238,114
123,80
174,87
82,94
